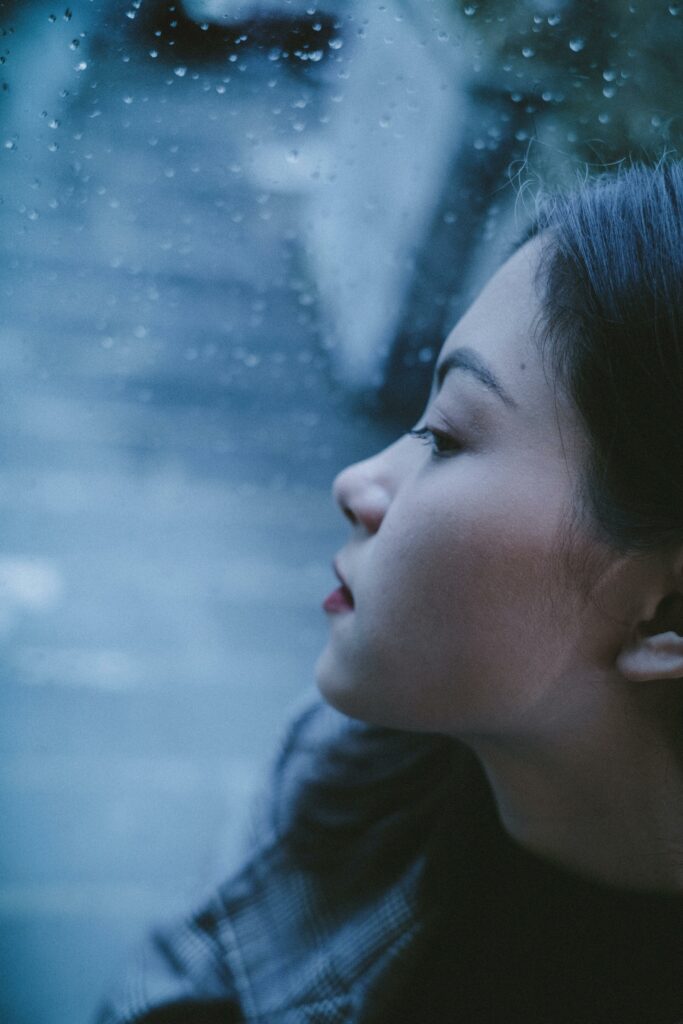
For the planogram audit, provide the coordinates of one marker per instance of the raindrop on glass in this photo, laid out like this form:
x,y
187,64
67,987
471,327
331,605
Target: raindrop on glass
x,y
180,72
576,45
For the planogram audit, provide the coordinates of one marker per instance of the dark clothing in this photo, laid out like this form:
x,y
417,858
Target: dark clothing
x,y
511,938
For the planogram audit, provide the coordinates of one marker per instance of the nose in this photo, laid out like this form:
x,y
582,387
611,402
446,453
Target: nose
x,y
364,491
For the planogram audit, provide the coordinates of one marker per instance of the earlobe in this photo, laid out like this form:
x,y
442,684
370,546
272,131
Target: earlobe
x,y
650,658
655,650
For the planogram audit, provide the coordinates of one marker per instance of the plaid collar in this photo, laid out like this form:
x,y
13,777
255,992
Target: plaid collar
x,y
301,949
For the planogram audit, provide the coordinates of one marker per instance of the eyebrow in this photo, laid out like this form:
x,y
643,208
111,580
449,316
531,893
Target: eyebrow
x,y
468,360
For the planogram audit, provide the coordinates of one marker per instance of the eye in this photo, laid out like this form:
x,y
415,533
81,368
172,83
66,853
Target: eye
x,y
441,444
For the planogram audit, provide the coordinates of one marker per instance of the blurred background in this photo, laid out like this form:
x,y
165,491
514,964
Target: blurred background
x,y
233,237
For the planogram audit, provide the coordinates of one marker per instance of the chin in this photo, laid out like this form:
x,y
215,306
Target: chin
x,y
339,693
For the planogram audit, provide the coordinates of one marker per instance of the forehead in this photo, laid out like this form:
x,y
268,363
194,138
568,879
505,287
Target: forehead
x,y
500,323
502,326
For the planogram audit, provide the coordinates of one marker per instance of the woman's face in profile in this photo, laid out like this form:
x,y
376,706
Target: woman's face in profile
x,y
467,617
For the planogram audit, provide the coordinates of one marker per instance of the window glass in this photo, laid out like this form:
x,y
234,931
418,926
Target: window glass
x,y
234,235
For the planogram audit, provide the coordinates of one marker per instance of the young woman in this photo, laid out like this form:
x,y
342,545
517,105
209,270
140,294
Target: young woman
x,y
492,830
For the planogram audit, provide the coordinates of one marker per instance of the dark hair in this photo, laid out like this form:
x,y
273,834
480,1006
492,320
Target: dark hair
x,y
611,280
612,294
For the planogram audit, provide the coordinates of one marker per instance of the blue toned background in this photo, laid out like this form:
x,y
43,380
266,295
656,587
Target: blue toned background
x,y
169,429
233,235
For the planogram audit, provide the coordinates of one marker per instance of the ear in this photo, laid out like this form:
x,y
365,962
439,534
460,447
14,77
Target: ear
x,y
655,649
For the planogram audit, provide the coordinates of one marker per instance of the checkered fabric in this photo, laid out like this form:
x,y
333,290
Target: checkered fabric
x,y
276,944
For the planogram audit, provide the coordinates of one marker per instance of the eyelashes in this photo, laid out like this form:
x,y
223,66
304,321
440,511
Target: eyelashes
x,y
441,445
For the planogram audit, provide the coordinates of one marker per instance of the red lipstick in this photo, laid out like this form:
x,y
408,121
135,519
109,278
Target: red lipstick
x,y
341,599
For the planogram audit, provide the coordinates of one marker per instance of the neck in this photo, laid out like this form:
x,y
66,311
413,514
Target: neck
x,y
617,818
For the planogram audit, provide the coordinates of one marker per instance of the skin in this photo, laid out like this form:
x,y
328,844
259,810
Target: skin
x,y
488,608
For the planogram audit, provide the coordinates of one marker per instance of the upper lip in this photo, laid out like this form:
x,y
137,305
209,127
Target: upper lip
x,y
340,576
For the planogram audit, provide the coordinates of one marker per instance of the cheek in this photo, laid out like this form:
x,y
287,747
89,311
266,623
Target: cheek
x,y
476,589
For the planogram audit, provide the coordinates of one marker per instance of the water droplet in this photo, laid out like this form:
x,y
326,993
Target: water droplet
x,y
527,51
74,44
576,45
128,100
292,156
154,53
131,15
180,71
384,121
316,55
81,66
554,19
442,36
469,10
275,53
10,144
675,10
609,75
140,332
608,92
604,118
52,18
32,215
336,44
68,14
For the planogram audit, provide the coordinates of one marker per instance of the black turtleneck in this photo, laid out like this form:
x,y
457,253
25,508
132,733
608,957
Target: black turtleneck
x,y
514,938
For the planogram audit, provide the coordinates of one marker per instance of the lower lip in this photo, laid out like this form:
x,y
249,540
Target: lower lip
x,y
338,601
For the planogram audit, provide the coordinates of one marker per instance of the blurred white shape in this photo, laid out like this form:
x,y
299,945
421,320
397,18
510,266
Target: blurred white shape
x,y
371,183
27,584
397,126
97,668
240,11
